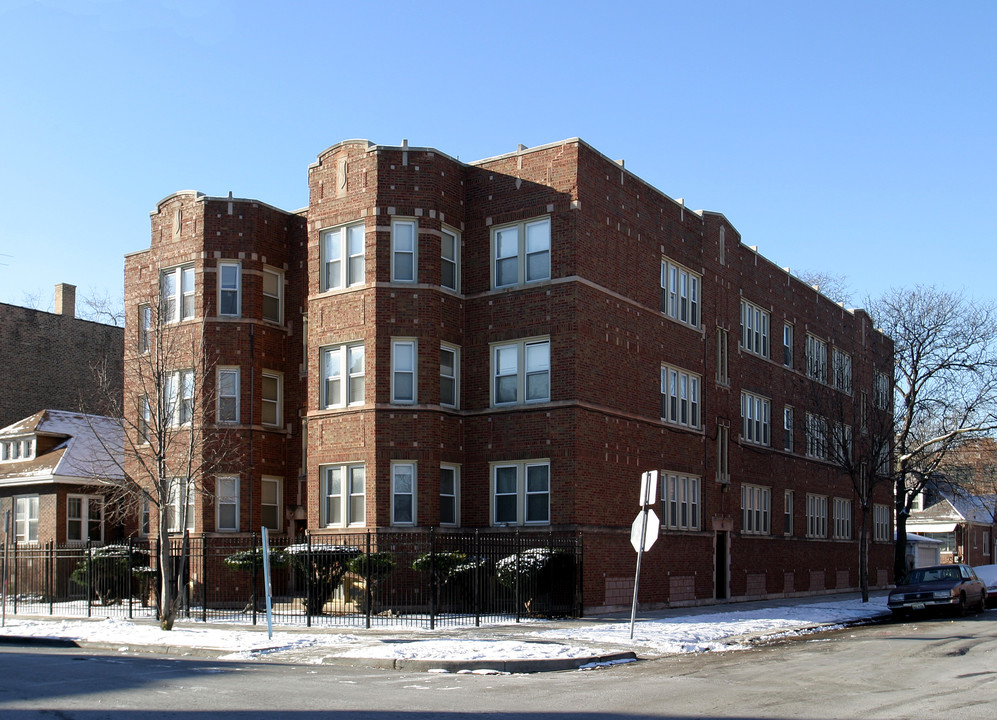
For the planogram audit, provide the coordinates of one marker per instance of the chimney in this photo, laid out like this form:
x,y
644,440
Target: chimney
x,y
65,300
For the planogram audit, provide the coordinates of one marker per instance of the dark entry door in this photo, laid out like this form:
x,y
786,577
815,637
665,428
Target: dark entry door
x,y
721,567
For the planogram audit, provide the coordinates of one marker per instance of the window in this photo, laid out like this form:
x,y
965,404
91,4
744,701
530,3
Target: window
x,y
449,365
179,397
450,260
337,362
26,518
344,495
756,506
754,329
841,367
229,289
864,411
84,518
342,251
144,327
521,253
177,286
521,372
228,395
986,542
227,504
841,450
723,466
755,418
144,419
180,513
521,493
20,449
816,431
787,345
145,513
272,398
787,428
403,509
816,516
403,371
680,293
881,391
404,258
722,374
787,509
723,247
449,495
679,396
881,523
816,358
680,501
270,501
273,296
842,514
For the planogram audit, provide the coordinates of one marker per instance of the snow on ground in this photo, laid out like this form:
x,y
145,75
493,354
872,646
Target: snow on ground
x,y
696,631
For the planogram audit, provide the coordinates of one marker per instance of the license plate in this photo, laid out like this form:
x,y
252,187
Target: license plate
x,y
917,606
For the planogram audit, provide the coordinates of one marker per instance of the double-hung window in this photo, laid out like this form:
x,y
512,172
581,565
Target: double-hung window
x,y
816,427
273,295
756,509
449,376
840,451
680,501
680,396
404,375
227,503
343,375
228,395
342,261
145,428
404,250
84,518
754,329
680,293
521,253
177,288
450,260
343,495
841,368
270,503
521,493
816,516
787,510
787,429
180,505
179,397
521,372
787,345
144,327
403,497
816,357
26,519
881,523
755,418
449,495
272,398
842,515
881,391
229,289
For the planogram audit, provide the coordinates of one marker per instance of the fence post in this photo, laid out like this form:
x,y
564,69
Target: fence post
x,y
256,578
129,578
89,578
49,575
476,579
16,575
580,578
517,583
308,581
367,589
432,579
204,579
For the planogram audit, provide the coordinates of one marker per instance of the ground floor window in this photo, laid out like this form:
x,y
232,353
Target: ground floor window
x,y
26,518
84,518
521,493
680,501
881,523
344,495
816,516
756,509
842,519
403,493
227,508
449,495
270,502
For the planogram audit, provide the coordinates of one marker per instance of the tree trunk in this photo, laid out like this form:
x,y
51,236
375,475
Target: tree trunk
x,y
864,553
166,608
900,545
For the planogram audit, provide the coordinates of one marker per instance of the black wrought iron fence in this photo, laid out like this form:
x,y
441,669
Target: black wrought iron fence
x,y
428,578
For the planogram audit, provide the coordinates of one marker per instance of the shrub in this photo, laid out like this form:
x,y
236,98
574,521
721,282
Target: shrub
x,y
105,570
324,566
252,559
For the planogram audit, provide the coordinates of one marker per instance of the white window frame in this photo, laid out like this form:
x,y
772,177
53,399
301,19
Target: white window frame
x,y
398,251
522,493
680,397
230,289
816,358
816,434
178,305
755,323
454,497
521,351
181,491
816,516
26,511
881,390
842,519
787,428
404,363
278,297
178,394
341,356
680,501
144,327
84,519
277,403
351,513
144,420
277,484
227,494
454,379
787,345
680,293
452,261
338,245
841,437
232,396
402,471
524,250
756,510
787,512
841,368
756,419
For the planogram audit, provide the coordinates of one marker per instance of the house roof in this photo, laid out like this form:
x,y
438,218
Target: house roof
x,y
80,453
957,505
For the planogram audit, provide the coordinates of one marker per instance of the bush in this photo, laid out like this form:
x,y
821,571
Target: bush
x,y
252,559
105,570
372,568
324,565
546,579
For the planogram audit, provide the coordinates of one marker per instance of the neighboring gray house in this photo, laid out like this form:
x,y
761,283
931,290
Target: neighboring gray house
x,y
963,521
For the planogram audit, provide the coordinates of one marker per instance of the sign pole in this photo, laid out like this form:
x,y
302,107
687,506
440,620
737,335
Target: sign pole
x,y
640,556
639,539
266,582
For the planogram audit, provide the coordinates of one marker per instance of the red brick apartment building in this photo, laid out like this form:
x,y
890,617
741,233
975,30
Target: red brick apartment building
x,y
509,344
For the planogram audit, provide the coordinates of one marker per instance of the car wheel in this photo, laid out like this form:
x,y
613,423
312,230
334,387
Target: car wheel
x,y
899,613
960,609
983,602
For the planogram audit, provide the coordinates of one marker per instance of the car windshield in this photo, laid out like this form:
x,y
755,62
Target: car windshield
x,y
927,575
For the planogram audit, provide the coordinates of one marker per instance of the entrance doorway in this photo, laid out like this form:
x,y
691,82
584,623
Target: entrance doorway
x,y
721,566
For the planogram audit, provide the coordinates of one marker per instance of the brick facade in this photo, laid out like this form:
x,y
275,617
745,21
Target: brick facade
x,y
589,334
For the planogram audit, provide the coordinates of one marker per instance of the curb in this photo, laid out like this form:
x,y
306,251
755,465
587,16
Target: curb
x,y
505,666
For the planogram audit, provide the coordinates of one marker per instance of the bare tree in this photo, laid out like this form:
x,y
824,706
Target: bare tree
x,y
100,306
944,385
834,287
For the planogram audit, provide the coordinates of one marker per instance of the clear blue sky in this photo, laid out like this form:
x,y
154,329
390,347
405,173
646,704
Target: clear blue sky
x,y
857,138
